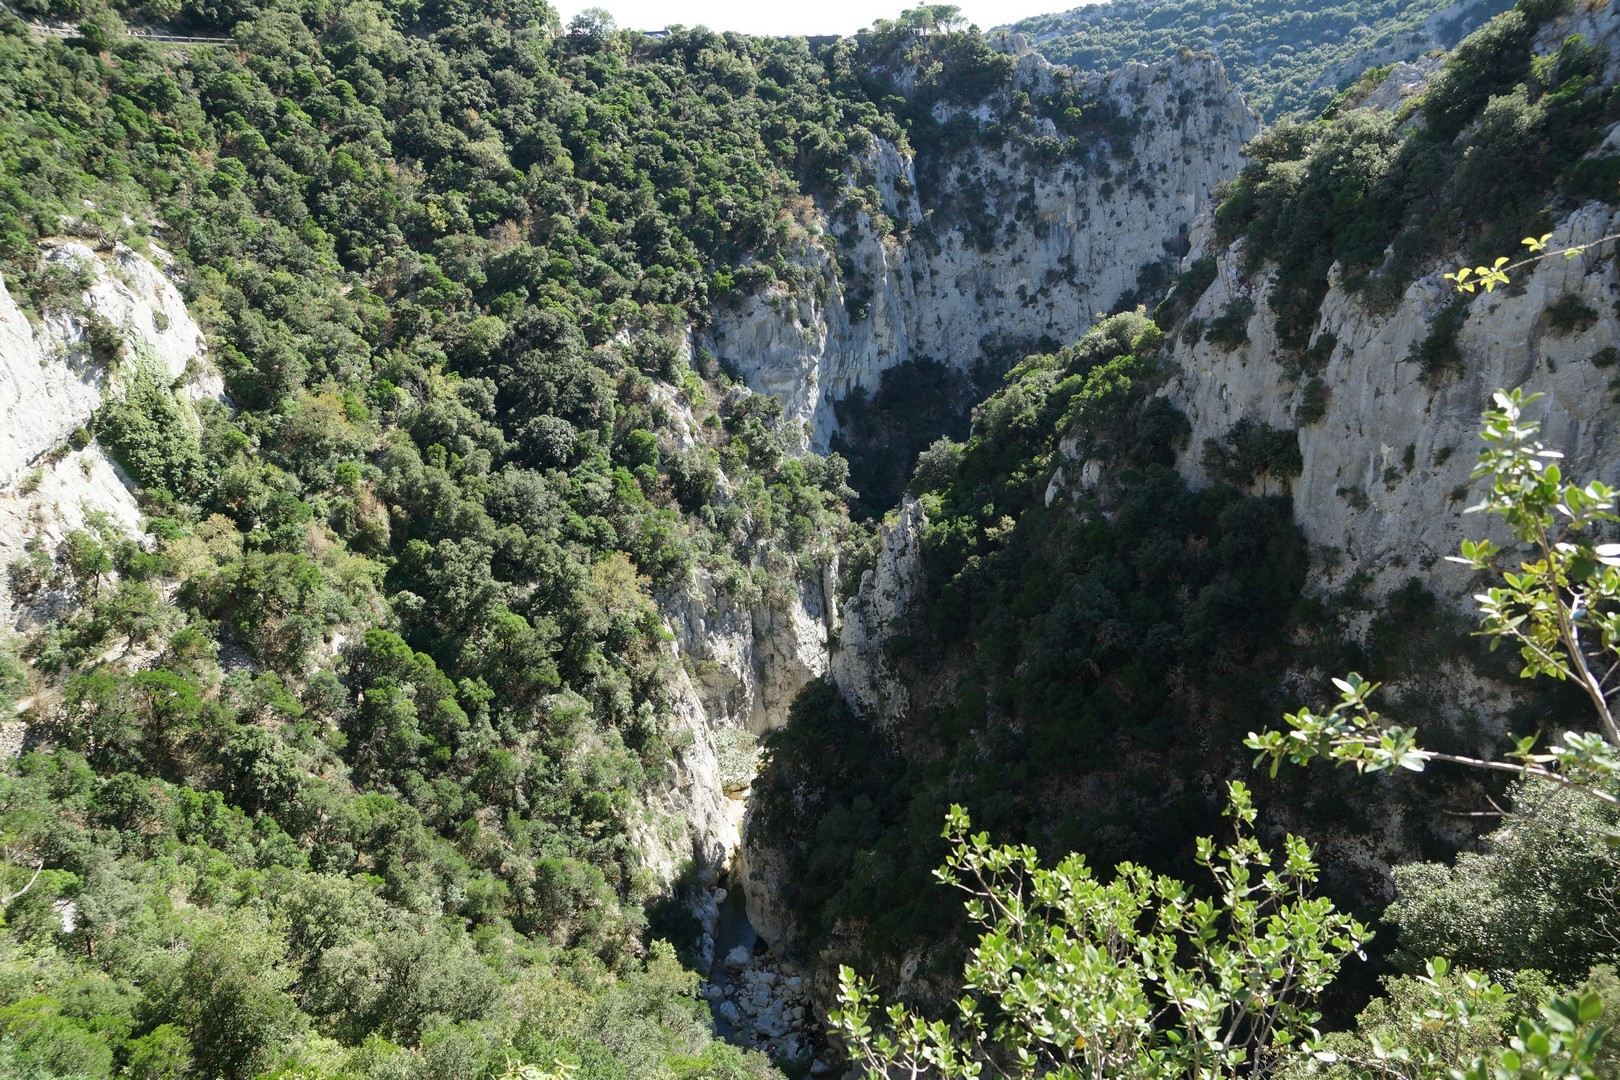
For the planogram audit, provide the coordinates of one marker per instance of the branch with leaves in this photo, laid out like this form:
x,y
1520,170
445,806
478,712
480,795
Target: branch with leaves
x,y
1563,1041
1467,279
1135,976
1560,606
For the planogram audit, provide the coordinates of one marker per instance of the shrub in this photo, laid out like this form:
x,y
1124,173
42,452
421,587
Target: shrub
x,y
1230,328
1313,401
152,435
1438,354
1253,451
1570,314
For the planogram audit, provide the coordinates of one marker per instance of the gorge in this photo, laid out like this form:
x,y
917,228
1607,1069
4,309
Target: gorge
x,y
516,534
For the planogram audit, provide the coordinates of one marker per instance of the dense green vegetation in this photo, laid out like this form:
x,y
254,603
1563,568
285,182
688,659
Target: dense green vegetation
x,y
882,434
1287,57
1500,147
344,770
1138,975
339,774
1092,666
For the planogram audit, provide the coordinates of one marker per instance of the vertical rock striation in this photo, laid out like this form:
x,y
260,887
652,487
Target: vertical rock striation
x,y
1064,240
1386,467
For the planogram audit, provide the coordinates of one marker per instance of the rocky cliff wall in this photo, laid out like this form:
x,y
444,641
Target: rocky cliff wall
x,y
736,668
52,381
860,667
1386,467
750,658
1069,239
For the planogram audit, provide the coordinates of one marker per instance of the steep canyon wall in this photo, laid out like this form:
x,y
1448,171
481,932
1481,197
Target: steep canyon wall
x,y
1070,238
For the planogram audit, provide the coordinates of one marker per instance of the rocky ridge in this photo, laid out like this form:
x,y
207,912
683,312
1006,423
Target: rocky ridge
x,y
1386,467
1387,463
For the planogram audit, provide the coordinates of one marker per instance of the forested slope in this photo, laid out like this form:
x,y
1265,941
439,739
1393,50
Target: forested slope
x,y
1288,57
364,751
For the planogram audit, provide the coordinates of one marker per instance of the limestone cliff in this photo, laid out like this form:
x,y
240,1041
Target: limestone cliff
x,y
751,657
861,669
1067,239
737,661
1386,467
1386,460
736,668
52,381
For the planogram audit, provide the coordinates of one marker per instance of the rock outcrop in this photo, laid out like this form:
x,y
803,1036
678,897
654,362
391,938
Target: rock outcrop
x,y
737,666
1387,457
864,674
693,818
1069,239
737,661
52,475
751,657
1386,467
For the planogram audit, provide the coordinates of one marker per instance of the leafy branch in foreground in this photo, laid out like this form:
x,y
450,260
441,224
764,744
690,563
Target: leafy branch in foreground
x,y
1136,976
1451,1010
1560,607
1467,279
1141,977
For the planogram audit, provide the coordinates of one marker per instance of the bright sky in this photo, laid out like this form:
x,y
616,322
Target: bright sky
x,y
794,16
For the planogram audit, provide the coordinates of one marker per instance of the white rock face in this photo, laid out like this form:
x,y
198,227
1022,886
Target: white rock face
x,y
1404,81
51,385
751,659
1385,475
44,394
861,668
737,664
1070,240
760,872
1386,470
692,818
